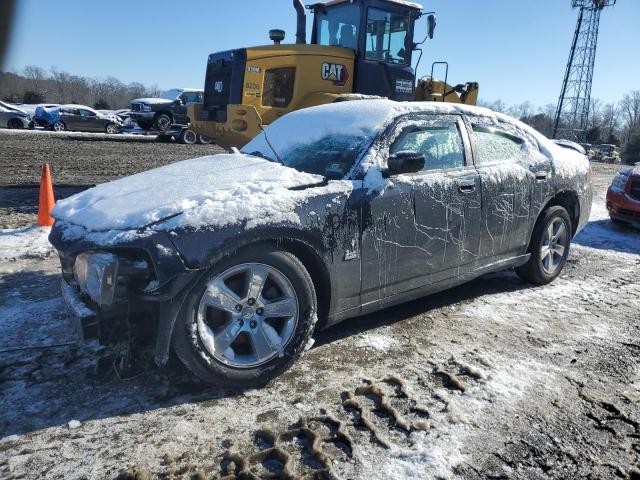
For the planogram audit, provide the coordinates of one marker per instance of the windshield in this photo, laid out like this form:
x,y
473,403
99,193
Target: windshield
x,y
172,94
332,156
387,35
338,26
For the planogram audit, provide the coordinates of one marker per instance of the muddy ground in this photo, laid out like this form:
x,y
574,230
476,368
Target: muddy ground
x,y
78,161
494,379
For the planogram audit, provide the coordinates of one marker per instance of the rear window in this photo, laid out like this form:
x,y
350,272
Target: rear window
x,y
495,146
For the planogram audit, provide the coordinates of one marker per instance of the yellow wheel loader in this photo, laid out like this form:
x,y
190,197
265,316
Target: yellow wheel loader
x,y
358,49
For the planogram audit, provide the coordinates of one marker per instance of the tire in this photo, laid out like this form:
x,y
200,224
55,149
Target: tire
x,y
542,269
58,126
164,138
111,129
16,124
202,140
188,137
162,122
241,364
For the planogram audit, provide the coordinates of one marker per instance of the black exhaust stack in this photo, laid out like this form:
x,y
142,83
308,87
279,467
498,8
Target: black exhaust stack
x,y
301,31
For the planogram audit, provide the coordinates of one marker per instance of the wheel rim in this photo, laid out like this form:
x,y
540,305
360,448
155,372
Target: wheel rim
x,y
554,246
111,129
247,315
58,126
190,137
164,123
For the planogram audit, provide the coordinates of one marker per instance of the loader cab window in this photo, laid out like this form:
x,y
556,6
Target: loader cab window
x,y
387,35
338,26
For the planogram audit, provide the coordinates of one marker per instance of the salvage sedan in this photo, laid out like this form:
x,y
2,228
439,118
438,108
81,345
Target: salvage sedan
x,y
332,212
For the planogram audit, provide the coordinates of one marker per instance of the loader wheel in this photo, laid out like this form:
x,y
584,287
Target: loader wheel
x,y
188,137
549,247
248,320
162,122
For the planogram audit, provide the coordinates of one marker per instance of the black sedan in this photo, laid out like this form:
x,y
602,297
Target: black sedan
x,y
332,212
78,118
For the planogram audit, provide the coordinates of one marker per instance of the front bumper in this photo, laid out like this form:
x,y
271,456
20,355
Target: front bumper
x,y
242,124
142,115
83,318
623,207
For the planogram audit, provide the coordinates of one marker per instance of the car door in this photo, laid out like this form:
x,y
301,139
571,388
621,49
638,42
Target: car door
x,y
424,226
71,118
90,121
501,155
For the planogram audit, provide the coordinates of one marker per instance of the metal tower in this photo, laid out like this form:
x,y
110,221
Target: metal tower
x,y
572,113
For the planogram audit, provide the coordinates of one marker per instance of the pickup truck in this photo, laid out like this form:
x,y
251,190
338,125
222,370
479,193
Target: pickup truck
x,y
166,115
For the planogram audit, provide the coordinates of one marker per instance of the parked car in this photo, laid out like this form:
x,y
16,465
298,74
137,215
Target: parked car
x,y
75,117
623,197
572,145
332,212
167,110
13,117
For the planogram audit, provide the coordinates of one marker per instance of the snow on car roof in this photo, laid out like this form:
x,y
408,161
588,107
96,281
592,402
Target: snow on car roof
x,y
174,93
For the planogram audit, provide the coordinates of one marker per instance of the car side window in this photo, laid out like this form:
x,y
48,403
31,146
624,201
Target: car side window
x,y
496,146
86,113
440,143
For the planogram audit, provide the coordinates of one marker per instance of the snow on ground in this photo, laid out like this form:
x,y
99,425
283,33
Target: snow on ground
x,y
25,242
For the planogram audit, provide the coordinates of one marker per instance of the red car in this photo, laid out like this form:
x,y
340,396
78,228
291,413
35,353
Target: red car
x,y
623,197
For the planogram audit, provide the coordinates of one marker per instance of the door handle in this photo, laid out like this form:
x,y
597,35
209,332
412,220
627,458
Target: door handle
x,y
541,176
466,186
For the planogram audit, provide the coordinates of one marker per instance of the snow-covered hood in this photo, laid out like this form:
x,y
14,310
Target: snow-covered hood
x,y
213,190
153,101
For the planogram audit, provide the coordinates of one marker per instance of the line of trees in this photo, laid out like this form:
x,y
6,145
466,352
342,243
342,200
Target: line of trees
x,y
37,85
613,123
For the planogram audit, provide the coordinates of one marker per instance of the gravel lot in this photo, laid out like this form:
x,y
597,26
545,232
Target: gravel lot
x,y
494,379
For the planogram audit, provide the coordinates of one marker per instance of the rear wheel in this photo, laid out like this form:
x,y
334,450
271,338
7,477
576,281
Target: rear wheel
x,y
162,122
58,126
248,320
188,137
549,247
15,124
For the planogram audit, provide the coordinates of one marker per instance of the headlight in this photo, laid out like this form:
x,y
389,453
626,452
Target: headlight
x,y
619,183
146,107
96,274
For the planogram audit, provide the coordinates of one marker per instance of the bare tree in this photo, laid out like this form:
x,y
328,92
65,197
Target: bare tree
x,y
630,110
36,77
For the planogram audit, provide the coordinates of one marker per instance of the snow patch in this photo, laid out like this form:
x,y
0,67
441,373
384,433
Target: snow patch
x,y
25,242
376,342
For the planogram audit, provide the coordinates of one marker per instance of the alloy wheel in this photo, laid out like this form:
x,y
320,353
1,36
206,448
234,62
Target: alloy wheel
x,y
554,245
247,315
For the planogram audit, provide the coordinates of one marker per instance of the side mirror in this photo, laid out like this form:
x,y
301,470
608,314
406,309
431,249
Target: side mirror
x,y
404,162
432,25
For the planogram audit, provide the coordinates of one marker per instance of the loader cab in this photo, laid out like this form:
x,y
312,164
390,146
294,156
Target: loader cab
x,y
381,34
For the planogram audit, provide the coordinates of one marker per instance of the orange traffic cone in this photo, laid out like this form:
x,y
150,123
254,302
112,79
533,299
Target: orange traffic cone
x,y
47,201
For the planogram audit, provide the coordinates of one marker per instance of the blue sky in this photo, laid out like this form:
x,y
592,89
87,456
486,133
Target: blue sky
x,y
516,49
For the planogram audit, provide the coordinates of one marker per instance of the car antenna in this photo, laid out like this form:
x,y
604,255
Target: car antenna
x,y
267,139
